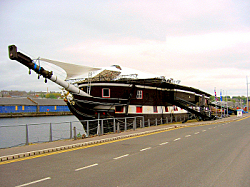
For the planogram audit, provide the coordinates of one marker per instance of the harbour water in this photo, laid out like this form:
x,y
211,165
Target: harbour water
x,y
13,130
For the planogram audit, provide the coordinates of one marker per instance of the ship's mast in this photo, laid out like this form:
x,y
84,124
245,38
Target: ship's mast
x,y
28,62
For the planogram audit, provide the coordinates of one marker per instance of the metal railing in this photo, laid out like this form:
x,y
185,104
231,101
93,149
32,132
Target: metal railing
x,y
25,134
112,125
11,136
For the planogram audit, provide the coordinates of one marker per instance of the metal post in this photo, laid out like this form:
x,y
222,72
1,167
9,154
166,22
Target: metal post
x,y
175,118
125,128
247,95
166,119
98,121
149,122
220,103
88,128
171,119
102,130
161,121
70,130
216,109
27,135
50,132
134,124
143,122
114,125
155,121
98,129
140,123
74,133
118,127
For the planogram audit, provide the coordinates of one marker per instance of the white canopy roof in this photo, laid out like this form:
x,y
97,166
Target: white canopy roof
x,y
72,70
75,71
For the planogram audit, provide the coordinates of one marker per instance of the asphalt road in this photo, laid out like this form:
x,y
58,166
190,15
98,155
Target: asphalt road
x,y
210,155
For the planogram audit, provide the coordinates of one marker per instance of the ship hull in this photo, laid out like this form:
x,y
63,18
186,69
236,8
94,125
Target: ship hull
x,y
115,100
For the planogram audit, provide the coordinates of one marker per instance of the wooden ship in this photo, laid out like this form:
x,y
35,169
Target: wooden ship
x,y
109,92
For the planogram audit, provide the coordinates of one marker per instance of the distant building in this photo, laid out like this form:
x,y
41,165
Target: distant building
x,y
4,93
27,105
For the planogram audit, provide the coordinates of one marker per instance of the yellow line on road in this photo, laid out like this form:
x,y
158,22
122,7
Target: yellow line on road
x,y
78,148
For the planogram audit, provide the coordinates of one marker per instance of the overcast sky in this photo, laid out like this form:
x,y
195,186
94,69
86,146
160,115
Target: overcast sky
x,y
205,44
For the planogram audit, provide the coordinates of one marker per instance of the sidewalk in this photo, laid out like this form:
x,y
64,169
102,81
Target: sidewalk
x,y
41,148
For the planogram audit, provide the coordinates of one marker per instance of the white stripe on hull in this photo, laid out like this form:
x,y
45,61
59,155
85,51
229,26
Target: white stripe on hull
x,y
145,109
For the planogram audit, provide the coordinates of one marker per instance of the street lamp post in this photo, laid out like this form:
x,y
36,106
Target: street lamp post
x,y
227,104
247,95
224,105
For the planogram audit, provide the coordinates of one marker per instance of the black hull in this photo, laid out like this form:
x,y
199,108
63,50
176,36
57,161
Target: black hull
x,y
84,113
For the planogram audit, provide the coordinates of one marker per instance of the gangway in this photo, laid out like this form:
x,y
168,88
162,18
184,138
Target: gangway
x,y
186,106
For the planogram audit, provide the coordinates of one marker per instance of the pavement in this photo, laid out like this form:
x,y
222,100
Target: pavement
x,y
42,148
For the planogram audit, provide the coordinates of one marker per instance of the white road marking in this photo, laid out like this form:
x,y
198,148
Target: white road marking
x,y
145,149
197,133
86,167
163,143
204,130
120,156
26,184
210,128
177,139
187,136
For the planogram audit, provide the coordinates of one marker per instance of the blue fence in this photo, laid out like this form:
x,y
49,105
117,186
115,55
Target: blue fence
x,y
54,109
27,109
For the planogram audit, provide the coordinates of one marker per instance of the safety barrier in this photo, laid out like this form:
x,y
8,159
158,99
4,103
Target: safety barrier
x,y
26,134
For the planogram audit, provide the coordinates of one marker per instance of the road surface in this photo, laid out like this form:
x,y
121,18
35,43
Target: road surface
x,y
209,155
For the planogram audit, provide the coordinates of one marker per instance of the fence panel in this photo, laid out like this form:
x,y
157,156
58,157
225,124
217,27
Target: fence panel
x,y
39,133
11,136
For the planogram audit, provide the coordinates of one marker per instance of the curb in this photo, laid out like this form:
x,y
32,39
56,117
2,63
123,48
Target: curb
x,y
64,147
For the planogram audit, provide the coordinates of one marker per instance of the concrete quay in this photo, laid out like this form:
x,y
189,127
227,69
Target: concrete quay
x,y
43,148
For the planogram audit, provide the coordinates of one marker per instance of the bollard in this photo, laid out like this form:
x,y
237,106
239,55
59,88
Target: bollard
x,y
143,122
98,129
102,131
155,121
140,123
70,130
50,132
171,119
88,128
166,119
27,135
118,127
114,125
134,124
175,118
125,128
74,133
149,122
161,121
